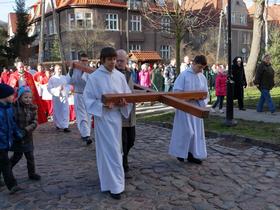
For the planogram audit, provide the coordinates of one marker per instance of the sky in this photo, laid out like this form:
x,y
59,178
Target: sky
x,y
6,6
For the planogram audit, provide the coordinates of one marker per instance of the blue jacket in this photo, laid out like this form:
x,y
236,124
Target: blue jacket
x,y
8,128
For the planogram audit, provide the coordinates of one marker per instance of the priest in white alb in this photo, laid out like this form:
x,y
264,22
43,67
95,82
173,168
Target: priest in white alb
x,y
59,88
188,137
108,121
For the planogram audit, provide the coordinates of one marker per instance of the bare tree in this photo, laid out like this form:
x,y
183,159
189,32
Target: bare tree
x,y
87,40
186,16
256,42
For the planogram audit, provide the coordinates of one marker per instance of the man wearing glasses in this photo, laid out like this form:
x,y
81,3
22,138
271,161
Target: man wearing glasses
x,y
82,117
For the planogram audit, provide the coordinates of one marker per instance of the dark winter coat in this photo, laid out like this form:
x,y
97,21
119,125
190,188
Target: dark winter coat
x,y
26,119
239,78
8,128
264,76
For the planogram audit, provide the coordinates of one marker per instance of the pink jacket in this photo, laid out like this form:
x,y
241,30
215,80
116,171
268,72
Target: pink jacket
x,y
221,84
145,78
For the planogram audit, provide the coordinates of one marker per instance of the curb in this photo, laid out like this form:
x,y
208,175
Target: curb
x,y
212,134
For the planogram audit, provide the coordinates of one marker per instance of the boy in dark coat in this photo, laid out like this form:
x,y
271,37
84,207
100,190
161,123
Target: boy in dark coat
x,y
26,118
8,131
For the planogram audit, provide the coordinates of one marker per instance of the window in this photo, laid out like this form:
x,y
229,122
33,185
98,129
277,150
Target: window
x,y
50,27
73,55
112,22
245,38
233,17
243,19
71,20
165,24
88,17
136,23
134,47
165,51
80,20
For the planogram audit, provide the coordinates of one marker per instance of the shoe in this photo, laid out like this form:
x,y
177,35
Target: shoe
x,y
35,177
66,130
2,184
180,159
273,113
57,128
15,189
212,110
242,109
221,111
89,141
116,196
193,160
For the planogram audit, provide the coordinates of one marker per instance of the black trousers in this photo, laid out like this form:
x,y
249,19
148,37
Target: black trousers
x,y
29,158
6,170
220,101
128,139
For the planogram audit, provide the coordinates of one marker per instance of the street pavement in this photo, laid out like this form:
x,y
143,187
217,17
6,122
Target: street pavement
x,y
234,176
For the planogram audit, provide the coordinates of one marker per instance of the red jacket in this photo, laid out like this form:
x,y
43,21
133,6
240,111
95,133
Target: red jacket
x,y
221,84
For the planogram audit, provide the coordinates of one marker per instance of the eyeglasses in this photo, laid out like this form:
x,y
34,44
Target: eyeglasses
x,y
84,60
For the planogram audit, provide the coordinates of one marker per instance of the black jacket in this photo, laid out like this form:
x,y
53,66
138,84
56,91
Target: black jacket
x,y
264,76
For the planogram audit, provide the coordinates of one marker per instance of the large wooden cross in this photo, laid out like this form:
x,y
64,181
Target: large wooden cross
x,y
178,100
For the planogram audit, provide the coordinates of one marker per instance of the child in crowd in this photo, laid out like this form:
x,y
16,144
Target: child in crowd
x,y
8,132
25,113
221,89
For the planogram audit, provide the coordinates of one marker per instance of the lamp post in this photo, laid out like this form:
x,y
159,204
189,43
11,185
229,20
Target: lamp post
x,y
230,84
127,25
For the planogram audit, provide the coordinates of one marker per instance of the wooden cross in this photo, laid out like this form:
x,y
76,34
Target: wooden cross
x,y
174,99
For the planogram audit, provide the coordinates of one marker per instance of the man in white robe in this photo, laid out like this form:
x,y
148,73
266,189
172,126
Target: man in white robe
x,y
188,137
83,119
108,121
59,89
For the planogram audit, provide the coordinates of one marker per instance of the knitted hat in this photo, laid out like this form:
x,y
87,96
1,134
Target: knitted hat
x,y
6,90
23,89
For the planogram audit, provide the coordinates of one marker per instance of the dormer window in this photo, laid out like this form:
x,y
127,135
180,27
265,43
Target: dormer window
x,y
243,19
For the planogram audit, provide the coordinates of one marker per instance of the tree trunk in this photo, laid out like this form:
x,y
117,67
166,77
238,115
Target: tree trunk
x,y
256,42
42,30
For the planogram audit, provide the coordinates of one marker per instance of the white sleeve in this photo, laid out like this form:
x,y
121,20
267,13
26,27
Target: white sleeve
x,y
93,103
125,111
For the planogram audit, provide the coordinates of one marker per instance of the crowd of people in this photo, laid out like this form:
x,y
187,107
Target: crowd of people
x,y
29,98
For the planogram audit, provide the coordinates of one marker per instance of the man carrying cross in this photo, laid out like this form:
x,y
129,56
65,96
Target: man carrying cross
x,y
83,119
108,121
128,125
188,138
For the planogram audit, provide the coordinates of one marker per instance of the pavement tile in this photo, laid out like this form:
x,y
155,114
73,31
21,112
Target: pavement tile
x,y
232,177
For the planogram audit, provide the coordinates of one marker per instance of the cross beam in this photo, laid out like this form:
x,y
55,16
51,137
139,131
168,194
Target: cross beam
x,y
175,99
152,96
81,67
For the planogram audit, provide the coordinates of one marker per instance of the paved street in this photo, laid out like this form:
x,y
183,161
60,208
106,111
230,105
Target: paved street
x,y
235,176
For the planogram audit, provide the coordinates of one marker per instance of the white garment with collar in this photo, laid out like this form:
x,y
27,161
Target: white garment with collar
x,y
188,130
108,126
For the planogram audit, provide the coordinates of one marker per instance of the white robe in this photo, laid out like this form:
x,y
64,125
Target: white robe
x,y
83,119
108,126
188,130
59,89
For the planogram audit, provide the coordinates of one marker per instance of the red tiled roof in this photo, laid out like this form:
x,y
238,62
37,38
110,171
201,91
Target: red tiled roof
x,y
13,21
273,12
144,56
64,3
